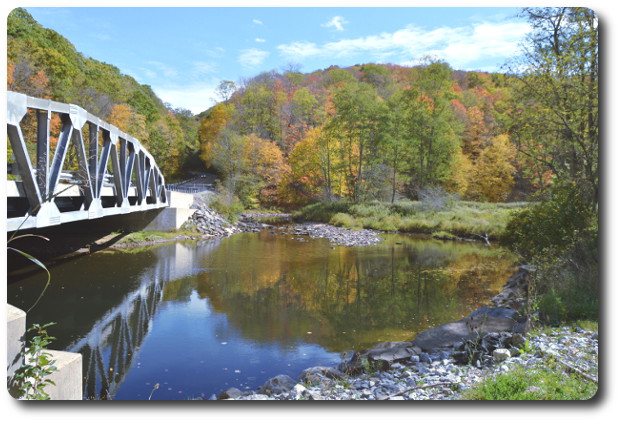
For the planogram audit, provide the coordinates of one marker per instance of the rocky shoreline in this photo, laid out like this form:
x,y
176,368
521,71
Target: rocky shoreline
x,y
209,223
443,362
336,235
434,376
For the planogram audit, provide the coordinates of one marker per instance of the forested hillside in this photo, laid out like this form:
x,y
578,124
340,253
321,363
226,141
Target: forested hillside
x,y
44,64
366,132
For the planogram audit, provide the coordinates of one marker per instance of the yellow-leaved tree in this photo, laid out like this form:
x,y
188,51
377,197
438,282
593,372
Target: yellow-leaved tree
x,y
493,175
210,129
126,119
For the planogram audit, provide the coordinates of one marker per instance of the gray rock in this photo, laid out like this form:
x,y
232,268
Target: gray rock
x,y
495,312
231,393
277,385
515,289
310,375
299,391
518,339
257,397
522,326
446,335
500,355
399,353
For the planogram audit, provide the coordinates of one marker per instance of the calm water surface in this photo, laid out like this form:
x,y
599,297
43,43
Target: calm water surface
x,y
199,317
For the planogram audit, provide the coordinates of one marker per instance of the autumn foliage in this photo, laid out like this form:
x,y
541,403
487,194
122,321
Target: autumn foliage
x,y
366,132
369,132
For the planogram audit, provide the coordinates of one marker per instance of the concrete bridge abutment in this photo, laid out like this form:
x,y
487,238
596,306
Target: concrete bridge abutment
x,y
167,219
68,375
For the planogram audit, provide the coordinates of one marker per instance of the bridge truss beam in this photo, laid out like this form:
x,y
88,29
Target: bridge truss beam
x,y
110,172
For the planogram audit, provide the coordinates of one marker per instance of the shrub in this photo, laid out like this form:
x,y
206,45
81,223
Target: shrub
x,y
559,236
231,211
31,378
226,204
322,211
436,199
550,225
345,220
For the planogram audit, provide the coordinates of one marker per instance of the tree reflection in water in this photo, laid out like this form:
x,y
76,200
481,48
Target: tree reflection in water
x,y
270,292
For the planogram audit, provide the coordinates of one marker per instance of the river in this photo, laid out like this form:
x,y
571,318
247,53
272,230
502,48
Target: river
x,y
195,318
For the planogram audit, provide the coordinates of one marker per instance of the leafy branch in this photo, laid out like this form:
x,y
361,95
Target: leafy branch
x,y
32,377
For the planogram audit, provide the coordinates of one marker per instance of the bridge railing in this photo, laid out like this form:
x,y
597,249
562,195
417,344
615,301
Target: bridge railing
x,y
112,173
196,184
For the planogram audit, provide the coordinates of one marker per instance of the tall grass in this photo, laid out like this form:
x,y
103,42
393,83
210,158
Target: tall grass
x,y
461,219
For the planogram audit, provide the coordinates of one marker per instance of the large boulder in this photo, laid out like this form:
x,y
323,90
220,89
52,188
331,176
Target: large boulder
x,y
231,393
277,385
396,353
380,357
479,323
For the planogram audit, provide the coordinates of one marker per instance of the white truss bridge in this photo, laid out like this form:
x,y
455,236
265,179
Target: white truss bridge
x,y
90,170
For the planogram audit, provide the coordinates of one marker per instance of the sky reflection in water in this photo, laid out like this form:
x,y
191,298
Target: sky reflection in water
x,y
197,318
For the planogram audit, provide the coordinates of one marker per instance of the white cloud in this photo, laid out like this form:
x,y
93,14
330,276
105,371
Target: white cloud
x,y
166,70
301,49
148,72
252,57
196,97
458,46
257,22
201,69
337,22
260,40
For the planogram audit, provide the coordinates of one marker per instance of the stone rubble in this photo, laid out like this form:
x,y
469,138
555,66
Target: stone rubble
x,y
434,376
211,224
336,235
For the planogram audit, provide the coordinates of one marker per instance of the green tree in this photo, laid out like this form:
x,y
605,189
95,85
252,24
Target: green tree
x,y
395,145
358,115
226,89
226,157
559,74
431,125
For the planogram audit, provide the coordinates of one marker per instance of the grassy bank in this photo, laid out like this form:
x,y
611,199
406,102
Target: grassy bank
x,y
142,238
460,219
551,379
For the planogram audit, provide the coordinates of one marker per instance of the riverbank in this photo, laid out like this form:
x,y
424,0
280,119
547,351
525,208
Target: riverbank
x,y
492,354
458,220
341,223
208,224
568,355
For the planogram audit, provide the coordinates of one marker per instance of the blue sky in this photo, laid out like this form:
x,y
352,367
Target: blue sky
x,y
183,53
